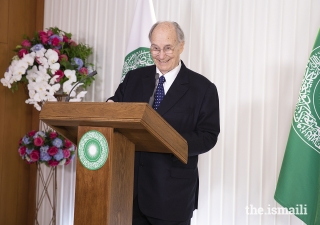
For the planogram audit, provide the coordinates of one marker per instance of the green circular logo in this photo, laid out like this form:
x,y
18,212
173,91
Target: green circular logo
x,y
93,150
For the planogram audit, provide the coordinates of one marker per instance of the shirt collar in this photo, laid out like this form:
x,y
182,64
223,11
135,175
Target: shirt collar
x,y
172,74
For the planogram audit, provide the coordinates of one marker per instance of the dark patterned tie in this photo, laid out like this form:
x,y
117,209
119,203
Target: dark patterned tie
x,y
158,96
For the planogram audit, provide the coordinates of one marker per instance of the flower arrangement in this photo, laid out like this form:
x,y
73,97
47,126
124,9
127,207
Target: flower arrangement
x,y
46,147
49,63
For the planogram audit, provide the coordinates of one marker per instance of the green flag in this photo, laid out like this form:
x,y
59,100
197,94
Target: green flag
x,y
138,48
298,185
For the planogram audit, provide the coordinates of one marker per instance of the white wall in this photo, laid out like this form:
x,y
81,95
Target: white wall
x,y
255,51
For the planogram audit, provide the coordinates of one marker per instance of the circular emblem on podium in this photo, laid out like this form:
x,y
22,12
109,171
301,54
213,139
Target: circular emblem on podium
x,y
93,150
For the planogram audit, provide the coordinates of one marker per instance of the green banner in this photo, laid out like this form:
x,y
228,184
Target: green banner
x,y
299,179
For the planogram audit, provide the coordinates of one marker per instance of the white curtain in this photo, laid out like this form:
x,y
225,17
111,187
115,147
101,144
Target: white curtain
x,y
254,51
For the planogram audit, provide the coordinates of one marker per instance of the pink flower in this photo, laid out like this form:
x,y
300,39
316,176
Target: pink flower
x,y
67,161
38,141
84,71
66,153
67,143
37,60
55,41
63,57
53,135
42,33
52,150
35,155
60,74
20,141
22,150
65,39
53,162
26,43
22,52
43,37
49,33
32,133
72,43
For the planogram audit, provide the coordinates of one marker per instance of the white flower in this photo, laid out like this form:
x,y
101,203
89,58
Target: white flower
x,y
43,69
13,63
32,92
53,89
52,56
18,70
71,75
79,96
54,67
39,96
41,52
51,98
43,61
43,77
37,106
29,58
32,74
16,77
6,81
53,79
67,87
33,102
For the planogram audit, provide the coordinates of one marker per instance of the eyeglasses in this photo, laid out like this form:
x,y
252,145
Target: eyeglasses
x,y
168,49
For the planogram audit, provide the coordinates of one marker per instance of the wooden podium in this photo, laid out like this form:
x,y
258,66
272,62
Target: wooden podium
x,y
105,196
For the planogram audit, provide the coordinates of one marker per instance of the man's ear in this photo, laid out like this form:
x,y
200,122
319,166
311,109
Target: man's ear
x,y
181,47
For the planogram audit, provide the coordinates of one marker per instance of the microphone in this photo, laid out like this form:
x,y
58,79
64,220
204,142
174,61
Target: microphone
x,y
151,99
80,81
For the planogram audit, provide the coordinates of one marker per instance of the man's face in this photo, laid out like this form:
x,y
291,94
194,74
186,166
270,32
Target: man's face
x,y
164,38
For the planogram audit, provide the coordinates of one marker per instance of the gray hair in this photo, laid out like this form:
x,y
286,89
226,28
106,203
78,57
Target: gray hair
x,y
177,27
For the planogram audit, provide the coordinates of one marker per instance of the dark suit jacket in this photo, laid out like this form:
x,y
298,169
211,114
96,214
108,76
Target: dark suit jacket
x,y
166,188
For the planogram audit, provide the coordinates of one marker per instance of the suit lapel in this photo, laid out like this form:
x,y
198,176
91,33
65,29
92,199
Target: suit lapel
x,y
178,88
148,84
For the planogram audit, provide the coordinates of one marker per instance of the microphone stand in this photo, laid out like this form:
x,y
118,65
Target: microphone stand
x,y
81,81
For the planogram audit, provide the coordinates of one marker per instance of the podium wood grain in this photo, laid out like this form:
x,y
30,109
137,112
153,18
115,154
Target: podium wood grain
x,y
105,196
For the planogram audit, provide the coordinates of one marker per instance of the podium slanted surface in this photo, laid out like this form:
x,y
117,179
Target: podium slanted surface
x,y
136,121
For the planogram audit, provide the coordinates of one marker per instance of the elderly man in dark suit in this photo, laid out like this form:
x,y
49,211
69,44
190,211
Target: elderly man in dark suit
x,y
165,189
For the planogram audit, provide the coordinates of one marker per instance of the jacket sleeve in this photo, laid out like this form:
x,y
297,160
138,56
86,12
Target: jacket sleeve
x,y
205,135
119,94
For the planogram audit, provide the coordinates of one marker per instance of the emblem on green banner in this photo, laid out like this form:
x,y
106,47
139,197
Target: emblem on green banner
x,y
140,57
93,150
306,116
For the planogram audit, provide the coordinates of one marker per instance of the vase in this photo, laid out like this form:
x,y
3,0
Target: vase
x,y
59,95
47,185
46,194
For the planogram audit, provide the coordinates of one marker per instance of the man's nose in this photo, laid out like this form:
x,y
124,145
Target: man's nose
x,y
162,54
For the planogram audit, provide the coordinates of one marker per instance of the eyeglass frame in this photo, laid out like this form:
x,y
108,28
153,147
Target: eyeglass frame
x,y
162,49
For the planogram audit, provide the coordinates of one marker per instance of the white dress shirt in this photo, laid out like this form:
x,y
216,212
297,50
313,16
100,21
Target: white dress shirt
x,y
170,77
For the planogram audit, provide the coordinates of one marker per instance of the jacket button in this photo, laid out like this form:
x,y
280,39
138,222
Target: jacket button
x,y
141,164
